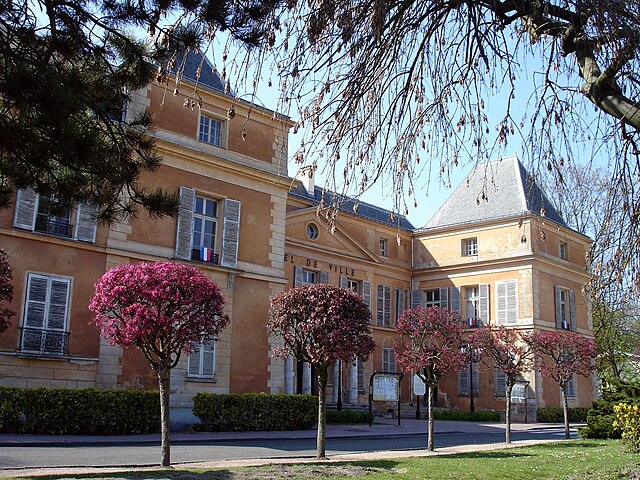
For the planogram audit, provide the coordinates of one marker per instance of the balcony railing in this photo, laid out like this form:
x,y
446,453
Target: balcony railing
x,y
199,256
44,342
51,226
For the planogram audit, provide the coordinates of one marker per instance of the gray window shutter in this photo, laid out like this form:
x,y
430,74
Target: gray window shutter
x,y
360,367
416,298
297,276
454,297
380,306
25,211
512,301
185,222
401,302
36,302
208,359
194,362
366,293
463,381
558,309
86,223
231,233
324,277
344,282
483,303
387,306
444,297
572,310
501,383
58,301
501,303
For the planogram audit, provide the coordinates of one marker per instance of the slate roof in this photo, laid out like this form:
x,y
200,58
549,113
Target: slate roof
x,y
493,190
365,210
208,78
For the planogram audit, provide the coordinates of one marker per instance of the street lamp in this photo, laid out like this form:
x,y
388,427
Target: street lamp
x,y
339,403
472,355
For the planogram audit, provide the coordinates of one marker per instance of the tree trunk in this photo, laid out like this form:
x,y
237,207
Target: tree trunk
x,y
430,445
164,383
321,443
507,414
565,411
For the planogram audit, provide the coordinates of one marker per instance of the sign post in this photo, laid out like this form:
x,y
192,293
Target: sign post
x,y
419,388
384,386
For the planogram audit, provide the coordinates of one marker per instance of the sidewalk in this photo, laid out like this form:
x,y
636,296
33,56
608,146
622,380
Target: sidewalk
x,y
382,427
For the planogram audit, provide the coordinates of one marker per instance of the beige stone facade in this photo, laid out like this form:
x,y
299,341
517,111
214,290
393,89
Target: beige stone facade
x,y
265,235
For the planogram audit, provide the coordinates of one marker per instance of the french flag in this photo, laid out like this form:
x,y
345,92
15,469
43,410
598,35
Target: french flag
x,y
471,321
205,254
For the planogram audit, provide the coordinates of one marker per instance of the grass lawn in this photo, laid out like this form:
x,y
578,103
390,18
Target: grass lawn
x,y
575,460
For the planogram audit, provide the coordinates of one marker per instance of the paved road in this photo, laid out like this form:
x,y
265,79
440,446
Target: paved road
x,y
52,455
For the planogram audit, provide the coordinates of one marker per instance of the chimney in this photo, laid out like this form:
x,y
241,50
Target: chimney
x,y
305,176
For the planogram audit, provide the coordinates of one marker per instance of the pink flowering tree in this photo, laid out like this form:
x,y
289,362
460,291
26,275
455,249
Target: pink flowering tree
x,y
429,345
6,290
164,309
560,355
321,324
508,350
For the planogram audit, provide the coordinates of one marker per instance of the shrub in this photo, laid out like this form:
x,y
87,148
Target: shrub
x,y
254,412
87,411
347,416
601,415
555,414
464,416
628,422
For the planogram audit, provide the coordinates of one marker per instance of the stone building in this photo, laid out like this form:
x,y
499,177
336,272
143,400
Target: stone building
x,y
507,258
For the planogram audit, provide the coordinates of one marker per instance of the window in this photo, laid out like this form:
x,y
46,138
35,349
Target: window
x,y
384,306
353,285
565,308
205,226
464,382
570,387
501,383
401,302
312,231
472,299
388,359
432,298
469,247
44,326
45,214
202,360
507,302
519,392
308,277
360,367
563,251
204,214
211,131
384,247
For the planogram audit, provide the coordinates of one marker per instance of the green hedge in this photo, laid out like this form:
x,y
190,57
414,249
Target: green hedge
x,y
254,412
556,415
347,416
60,411
601,416
464,416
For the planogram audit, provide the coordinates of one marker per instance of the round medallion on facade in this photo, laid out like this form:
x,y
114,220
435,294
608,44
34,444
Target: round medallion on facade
x,y
312,231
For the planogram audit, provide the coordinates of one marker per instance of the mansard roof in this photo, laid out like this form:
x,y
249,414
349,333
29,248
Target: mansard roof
x,y
498,189
364,210
208,78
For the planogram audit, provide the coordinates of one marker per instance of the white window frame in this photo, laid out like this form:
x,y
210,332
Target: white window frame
x,y
571,387
432,298
201,352
564,309
204,130
472,299
563,251
203,217
309,277
46,306
353,285
384,247
470,247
